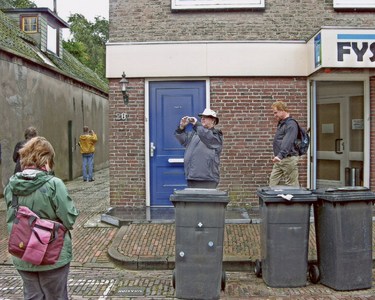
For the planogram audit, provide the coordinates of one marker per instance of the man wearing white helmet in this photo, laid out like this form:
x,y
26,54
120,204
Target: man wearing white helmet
x,y
203,149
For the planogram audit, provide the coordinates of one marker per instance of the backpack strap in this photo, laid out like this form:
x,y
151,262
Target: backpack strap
x,y
15,201
290,118
15,204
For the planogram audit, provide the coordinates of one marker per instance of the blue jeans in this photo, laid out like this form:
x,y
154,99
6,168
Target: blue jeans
x,y
88,159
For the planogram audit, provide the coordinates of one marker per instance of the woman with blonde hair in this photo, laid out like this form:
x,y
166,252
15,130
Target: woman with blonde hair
x,y
46,195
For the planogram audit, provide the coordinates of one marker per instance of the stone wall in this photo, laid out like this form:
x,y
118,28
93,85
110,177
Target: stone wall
x,y
34,95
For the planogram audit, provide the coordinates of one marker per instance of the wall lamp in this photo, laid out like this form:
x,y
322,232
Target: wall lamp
x,y
124,84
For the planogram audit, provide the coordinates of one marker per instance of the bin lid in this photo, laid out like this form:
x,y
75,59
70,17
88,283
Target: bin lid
x,y
347,193
342,189
283,189
199,195
283,193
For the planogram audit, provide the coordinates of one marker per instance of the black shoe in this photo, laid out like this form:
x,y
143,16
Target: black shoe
x,y
91,180
84,180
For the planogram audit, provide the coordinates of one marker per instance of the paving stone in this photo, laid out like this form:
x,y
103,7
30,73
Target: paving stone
x,y
94,275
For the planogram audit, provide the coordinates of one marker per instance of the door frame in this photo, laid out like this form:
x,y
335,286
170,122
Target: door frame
x,y
311,87
147,123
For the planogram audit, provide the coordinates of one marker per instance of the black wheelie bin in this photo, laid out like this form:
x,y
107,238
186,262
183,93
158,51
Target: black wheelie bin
x,y
343,226
200,223
284,235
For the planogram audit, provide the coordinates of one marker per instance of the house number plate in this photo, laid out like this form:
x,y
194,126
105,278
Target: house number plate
x,y
121,116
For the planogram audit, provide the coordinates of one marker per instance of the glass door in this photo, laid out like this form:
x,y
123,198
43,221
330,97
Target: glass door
x,y
339,136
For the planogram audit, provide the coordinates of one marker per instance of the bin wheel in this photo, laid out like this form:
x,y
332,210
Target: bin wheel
x,y
314,274
258,268
223,281
174,279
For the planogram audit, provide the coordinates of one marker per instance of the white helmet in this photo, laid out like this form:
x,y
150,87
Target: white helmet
x,y
209,113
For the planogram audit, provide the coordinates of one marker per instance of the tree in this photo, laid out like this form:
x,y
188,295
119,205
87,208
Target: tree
x,y
88,42
22,3
77,49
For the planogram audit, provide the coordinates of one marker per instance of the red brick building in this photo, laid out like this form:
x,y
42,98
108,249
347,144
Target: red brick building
x,y
238,57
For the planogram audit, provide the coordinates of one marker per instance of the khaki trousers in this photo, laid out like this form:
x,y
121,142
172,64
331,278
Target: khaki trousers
x,y
287,167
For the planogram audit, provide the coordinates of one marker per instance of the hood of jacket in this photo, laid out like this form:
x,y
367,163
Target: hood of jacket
x,y
85,137
26,182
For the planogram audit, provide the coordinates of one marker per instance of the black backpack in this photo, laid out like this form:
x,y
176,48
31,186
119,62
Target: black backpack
x,y
302,141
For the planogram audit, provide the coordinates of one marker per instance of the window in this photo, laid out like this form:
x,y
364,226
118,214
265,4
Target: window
x,y
217,4
51,39
354,4
30,24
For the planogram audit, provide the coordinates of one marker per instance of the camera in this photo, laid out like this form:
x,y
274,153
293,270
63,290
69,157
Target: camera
x,y
190,120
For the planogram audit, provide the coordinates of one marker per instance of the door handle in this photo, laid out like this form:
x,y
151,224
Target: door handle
x,y
176,160
152,149
337,146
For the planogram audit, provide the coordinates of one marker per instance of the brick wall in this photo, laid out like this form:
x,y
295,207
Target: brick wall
x,y
246,119
243,103
126,145
248,125
146,20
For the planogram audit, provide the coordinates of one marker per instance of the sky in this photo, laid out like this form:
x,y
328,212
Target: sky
x,y
89,8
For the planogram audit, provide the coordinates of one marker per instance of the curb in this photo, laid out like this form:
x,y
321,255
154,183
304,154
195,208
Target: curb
x,y
139,263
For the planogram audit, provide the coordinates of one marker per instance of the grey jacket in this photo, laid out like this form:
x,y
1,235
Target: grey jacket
x,y
283,142
202,154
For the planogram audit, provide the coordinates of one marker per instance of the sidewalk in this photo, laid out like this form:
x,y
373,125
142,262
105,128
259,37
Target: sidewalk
x,y
100,249
147,243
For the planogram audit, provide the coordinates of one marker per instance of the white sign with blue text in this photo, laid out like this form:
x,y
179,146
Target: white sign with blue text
x,y
348,48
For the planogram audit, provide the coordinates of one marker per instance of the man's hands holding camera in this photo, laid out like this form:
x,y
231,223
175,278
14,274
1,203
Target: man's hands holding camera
x,y
186,120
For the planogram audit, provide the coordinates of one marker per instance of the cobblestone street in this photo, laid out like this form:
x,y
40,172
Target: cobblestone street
x,y
94,276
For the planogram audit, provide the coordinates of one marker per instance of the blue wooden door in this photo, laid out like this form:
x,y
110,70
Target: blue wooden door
x,y
169,102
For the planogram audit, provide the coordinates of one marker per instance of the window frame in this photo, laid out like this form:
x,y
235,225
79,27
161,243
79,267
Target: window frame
x,y
52,39
29,17
217,4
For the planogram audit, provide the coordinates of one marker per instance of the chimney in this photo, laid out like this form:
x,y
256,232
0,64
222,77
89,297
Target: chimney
x,y
54,7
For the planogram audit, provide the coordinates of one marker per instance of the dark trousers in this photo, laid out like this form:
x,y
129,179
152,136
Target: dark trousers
x,y
201,184
46,285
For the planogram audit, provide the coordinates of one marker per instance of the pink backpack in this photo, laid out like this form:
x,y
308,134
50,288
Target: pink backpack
x,y
38,241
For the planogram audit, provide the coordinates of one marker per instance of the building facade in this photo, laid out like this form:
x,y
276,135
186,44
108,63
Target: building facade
x,y
239,57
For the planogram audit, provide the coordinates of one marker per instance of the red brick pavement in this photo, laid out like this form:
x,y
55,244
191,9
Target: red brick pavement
x,y
92,276
105,282
153,240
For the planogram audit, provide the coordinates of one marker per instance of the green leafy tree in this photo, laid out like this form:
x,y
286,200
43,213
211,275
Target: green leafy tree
x,y
22,3
88,42
77,49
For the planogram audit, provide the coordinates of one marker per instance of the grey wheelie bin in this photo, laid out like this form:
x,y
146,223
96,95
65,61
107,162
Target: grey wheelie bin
x,y
284,235
343,226
200,223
